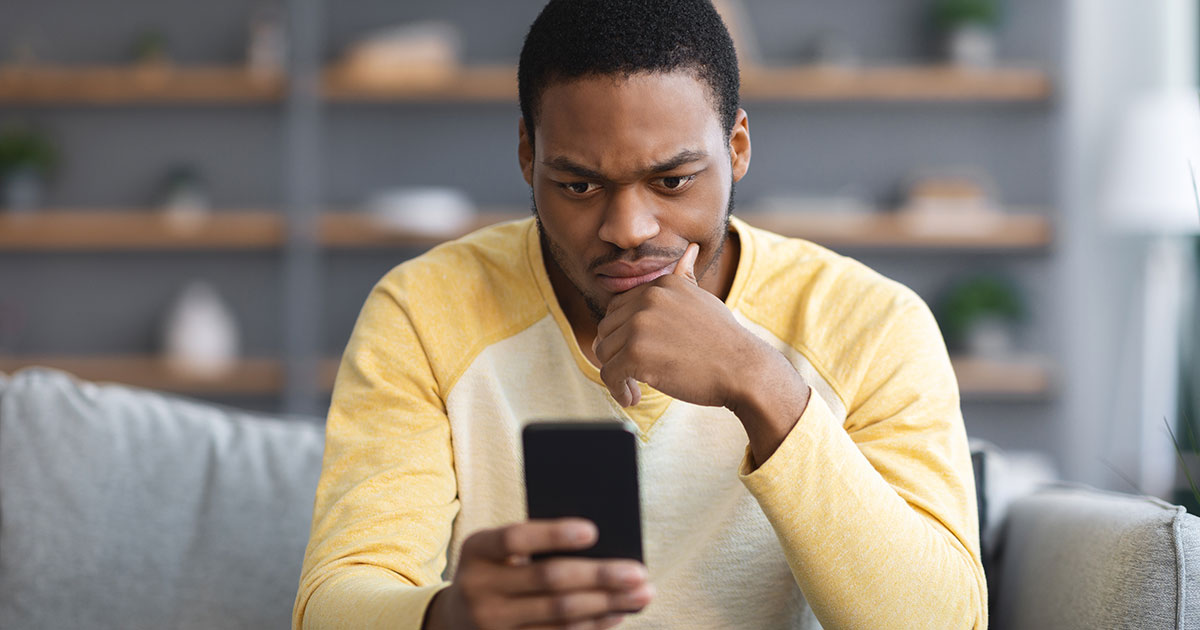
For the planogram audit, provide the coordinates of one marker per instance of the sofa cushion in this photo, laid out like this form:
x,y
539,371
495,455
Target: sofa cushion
x,y
124,508
1074,557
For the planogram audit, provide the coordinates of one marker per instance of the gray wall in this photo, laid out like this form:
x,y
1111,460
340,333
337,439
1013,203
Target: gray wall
x,y
115,155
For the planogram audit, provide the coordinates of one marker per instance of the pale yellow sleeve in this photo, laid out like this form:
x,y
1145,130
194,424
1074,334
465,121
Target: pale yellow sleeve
x,y
877,516
387,496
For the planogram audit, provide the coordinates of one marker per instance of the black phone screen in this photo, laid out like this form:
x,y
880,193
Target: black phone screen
x,y
589,470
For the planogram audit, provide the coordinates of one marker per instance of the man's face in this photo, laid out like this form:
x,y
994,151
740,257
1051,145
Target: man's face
x,y
626,172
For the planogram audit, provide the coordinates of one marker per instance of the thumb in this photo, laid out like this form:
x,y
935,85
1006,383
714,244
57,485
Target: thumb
x,y
686,266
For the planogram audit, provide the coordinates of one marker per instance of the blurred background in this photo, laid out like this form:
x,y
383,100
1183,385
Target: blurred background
x,y
197,197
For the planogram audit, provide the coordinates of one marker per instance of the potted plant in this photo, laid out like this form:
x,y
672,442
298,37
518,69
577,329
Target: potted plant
x,y
969,30
27,160
979,314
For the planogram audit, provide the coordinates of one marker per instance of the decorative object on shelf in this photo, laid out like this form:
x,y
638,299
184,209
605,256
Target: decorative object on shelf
x,y
22,49
27,160
184,198
200,335
969,31
847,203
419,53
950,201
733,13
150,49
433,212
831,50
266,46
979,316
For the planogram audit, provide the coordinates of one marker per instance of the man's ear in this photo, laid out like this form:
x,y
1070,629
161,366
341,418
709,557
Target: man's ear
x,y
525,151
739,145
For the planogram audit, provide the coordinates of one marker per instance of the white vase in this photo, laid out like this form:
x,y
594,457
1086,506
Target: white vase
x,y
22,190
990,337
971,46
200,336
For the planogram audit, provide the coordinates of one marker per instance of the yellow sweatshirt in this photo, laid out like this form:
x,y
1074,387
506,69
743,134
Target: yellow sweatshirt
x,y
863,518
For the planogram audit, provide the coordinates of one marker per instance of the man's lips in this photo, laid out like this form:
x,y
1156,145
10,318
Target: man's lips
x,y
619,277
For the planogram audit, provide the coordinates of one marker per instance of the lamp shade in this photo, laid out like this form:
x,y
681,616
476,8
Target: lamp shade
x,y
1150,186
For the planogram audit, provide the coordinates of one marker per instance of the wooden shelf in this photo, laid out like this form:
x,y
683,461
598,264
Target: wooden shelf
x,y
114,85
890,230
133,230
978,378
791,84
149,230
248,377
882,230
1026,378
496,84
913,83
360,230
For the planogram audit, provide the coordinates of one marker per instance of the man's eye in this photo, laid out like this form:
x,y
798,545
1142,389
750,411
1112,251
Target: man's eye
x,y
579,188
676,182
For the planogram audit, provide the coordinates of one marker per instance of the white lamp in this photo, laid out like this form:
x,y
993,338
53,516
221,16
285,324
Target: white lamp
x,y
1151,191
1150,187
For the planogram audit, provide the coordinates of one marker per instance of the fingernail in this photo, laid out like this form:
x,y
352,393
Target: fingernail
x,y
581,533
631,574
638,597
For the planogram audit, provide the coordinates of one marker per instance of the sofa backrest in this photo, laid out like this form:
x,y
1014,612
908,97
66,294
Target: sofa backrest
x,y
124,508
1078,558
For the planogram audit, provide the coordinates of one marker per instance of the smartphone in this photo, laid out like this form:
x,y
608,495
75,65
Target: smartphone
x,y
589,470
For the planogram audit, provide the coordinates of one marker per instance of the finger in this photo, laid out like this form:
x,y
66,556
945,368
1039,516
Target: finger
x,y
608,345
573,574
531,537
686,266
635,392
621,385
577,606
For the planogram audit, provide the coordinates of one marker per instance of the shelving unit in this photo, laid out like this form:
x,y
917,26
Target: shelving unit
x,y
150,84
794,84
294,102
1018,379
138,230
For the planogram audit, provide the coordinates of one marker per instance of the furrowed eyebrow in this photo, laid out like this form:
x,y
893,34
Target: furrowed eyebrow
x,y
683,157
567,165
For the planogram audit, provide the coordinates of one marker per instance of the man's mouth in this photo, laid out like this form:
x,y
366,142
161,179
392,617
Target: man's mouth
x,y
621,277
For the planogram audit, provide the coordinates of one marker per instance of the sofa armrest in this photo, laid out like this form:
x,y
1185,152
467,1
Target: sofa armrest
x,y
1075,557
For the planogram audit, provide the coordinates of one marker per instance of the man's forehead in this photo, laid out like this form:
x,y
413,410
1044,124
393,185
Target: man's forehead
x,y
677,98
627,124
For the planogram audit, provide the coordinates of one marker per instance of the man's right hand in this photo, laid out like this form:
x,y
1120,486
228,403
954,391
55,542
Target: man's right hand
x,y
498,586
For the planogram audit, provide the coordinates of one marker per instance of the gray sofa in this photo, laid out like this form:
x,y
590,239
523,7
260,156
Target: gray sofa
x,y
124,508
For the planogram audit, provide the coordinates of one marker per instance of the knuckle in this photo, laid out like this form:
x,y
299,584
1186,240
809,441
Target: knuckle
x,y
510,539
655,293
639,322
564,607
472,584
546,575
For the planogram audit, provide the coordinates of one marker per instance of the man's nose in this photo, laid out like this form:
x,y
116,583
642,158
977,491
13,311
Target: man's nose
x,y
629,219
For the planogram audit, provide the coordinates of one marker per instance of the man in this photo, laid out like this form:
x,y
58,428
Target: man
x,y
803,457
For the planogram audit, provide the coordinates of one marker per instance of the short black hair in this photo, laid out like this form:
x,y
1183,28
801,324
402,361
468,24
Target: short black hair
x,y
572,39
